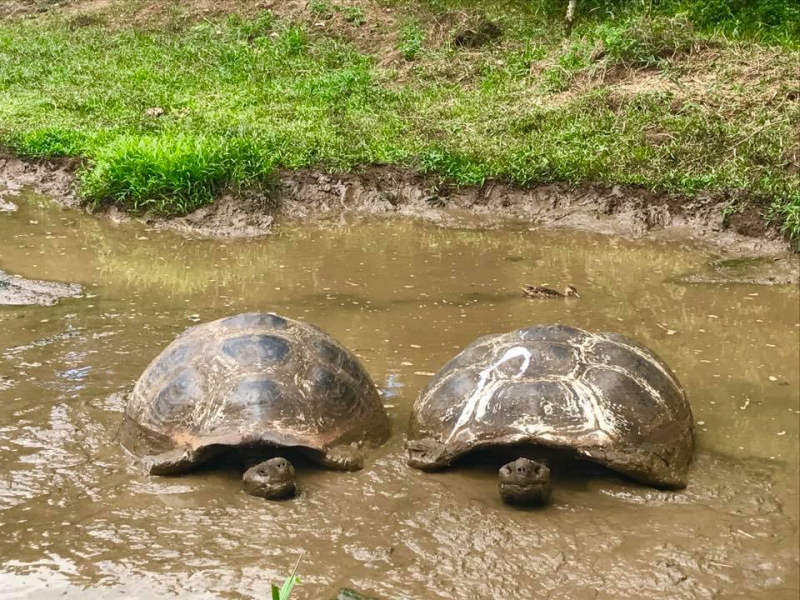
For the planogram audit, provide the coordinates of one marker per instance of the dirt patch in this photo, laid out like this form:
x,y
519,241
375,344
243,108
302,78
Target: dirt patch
x,y
367,24
226,219
628,211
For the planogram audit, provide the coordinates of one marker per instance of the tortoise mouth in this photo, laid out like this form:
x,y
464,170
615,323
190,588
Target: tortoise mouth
x,y
535,494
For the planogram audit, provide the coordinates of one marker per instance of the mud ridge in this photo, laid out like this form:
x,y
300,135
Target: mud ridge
x,y
18,291
611,209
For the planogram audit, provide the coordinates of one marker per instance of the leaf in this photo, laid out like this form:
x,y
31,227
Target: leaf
x,y
290,582
288,585
276,593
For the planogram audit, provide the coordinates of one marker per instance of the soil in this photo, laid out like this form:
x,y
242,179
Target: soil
x,y
384,192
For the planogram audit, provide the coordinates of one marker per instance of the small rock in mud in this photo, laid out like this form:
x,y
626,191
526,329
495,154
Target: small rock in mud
x,y
478,36
18,291
7,206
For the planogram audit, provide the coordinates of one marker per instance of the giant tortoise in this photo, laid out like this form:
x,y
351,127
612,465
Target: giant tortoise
x,y
260,384
554,389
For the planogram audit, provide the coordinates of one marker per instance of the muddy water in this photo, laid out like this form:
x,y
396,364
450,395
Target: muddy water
x,y
77,519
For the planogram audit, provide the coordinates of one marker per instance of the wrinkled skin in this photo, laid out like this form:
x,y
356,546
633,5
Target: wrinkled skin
x,y
427,454
525,482
272,479
343,458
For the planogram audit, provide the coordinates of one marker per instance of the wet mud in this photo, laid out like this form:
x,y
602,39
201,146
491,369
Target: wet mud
x,y
18,291
79,519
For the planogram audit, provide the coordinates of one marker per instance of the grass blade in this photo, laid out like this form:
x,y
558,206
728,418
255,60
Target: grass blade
x,y
290,582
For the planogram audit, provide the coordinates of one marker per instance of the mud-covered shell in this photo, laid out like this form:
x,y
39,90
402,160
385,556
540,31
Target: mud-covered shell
x,y
601,396
253,379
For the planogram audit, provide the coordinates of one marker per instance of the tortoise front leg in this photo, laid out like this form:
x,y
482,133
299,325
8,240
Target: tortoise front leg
x,y
428,454
172,462
179,460
343,458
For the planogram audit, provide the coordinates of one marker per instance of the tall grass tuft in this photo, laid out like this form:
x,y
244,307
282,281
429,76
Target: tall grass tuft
x,y
172,172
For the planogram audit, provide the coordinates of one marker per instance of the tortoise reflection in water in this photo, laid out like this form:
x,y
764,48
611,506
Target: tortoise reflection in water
x,y
259,384
553,390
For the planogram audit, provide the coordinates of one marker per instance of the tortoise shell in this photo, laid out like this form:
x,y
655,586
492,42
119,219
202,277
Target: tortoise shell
x,y
600,396
253,379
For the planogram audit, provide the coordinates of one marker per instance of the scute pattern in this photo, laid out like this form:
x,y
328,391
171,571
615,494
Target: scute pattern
x,y
174,399
601,395
253,378
252,349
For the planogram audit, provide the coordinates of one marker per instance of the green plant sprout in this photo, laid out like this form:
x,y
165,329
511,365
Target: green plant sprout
x,y
285,590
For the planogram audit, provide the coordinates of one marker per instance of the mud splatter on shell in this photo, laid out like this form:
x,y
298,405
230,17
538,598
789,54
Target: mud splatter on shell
x,y
602,396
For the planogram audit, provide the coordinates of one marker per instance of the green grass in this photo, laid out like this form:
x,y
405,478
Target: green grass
x,y
412,38
239,100
775,22
285,591
244,97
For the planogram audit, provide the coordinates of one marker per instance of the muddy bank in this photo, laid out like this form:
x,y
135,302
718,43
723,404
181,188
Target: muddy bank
x,y
54,178
18,291
304,196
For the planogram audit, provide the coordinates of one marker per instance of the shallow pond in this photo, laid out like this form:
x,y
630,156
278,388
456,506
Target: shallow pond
x,y
77,519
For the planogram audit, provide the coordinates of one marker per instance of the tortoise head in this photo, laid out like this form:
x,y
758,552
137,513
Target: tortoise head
x,y
525,482
272,479
571,291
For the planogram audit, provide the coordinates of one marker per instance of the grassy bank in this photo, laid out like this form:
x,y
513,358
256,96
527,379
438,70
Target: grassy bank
x,y
171,102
